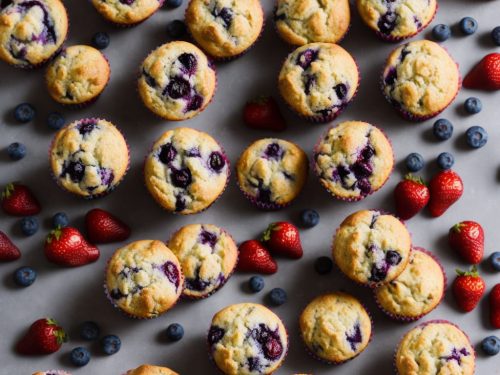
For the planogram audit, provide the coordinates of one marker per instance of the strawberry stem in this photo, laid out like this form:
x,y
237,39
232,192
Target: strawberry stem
x,y
417,179
266,236
472,272
457,227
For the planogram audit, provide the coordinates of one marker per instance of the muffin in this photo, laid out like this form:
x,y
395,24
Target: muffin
x,y
416,291
52,372
127,12
272,172
78,75
435,347
186,171
144,279
177,81
397,20
247,339
335,327
420,79
371,247
300,22
150,370
207,255
353,159
318,80
31,32
225,29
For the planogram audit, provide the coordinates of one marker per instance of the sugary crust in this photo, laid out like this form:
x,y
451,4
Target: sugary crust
x,y
151,370
128,14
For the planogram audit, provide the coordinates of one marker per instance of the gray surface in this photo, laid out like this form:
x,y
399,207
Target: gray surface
x,y
75,295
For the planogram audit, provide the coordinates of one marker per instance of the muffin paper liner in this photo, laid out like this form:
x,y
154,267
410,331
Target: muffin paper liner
x,y
123,25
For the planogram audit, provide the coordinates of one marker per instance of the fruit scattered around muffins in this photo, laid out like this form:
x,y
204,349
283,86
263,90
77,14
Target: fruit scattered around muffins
x,y
44,336
467,239
485,75
19,200
446,188
8,251
494,301
67,247
283,238
411,195
103,227
468,289
263,113
254,257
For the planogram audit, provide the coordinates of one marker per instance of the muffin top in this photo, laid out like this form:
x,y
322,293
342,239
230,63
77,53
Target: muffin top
x,y
177,81
144,278
31,31
417,290
353,159
420,78
225,28
247,339
78,74
335,327
186,170
151,370
436,347
371,247
318,79
127,12
272,171
89,157
306,21
207,255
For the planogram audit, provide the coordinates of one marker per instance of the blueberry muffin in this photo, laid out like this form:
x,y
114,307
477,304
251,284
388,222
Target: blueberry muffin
x,y
272,172
52,372
353,159
371,247
144,279
208,256
307,21
89,157
186,171
420,79
127,12
78,75
31,31
433,348
150,370
177,81
318,80
225,29
399,19
247,339
335,327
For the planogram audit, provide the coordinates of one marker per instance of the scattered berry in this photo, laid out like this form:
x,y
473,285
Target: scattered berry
x,y
16,151
173,3
60,220
256,284
176,29
442,129
467,239
67,247
24,276
485,75
18,200
104,227
8,251
495,260
254,257
414,162
55,121
445,189
445,160
323,265
495,306
283,238
441,32
468,25
89,331
491,345
309,218
495,35
473,105
111,344
277,297
411,196
100,40
468,289
264,113
44,336
79,356
174,332
24,113
476,136
29,225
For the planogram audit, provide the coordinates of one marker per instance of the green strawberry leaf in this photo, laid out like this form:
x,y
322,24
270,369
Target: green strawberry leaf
x,y
266,236
472,272
9,189
417,179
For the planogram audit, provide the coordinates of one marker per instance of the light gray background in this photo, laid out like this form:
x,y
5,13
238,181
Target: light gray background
x,y
75,295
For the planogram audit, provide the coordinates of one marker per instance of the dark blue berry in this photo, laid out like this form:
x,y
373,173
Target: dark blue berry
x,y
80,356
445,160
256,284
393,258
309,218
89,331
29,225
495,260
442,129
277,297
495,35
181,178
55,121
60,220
473,105
173,3
174,332
491,345
24,276
216,161
110,344
476,136
24,112
323,265
176,29
177,88
16,151
414,162
441,32
100,40
468,25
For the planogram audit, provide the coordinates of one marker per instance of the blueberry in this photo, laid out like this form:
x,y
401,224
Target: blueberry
x,y
414,162
24,113
323,265
309,218
473,105
256,284
111,344
89,331
100,40
60,220
445,160
495,35
16,151
441,32
442,129
277,297
176,29
173,3
29,225
55,121
174,332
80,356
468,25
393,258
491,345
216,161
24,276
495,260
476,136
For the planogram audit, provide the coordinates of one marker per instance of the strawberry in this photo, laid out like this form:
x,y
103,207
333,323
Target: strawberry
x,y
283,238
8,251
263,113
44,336
485,75
468,288
495,306
446,188
411,196
67,247
254,257
18,200
467,239
103,227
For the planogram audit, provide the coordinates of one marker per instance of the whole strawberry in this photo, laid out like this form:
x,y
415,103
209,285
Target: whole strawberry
x,y
67,247
411,196
44,336
446,188
495,306
485,75
263,113
283,238
467,239
254,257
103,227
18,200
468,288
8,251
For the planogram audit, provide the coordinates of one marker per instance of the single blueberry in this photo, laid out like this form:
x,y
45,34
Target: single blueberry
x,y
323,265
216,161
495,35
180,203
79,356
277,297
364,186
491,345
495,260
173,3
377,274
55,121
177,88
476,136
24,276
194,103
340,91
181,178
393,258
367,152
110,344
85,127
29,225
256,284
273,349
76,171
24,113
167,153
391,76
188,60
387,22
442,129
414,162
445,160
207,237
89,331
441,32
355,337
362,169
174,332
170,270
215,334
305,58
16,151
473,105
60,220
176,29
227,16
100,40
309,218
273,151
468,25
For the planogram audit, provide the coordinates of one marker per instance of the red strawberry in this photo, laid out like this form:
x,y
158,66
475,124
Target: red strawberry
x,y
467,238
67,247
468,288
446,188
44,336
8,251
254,257
264,113
485,75
103,227
495,306
411,196
283,238
18,200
